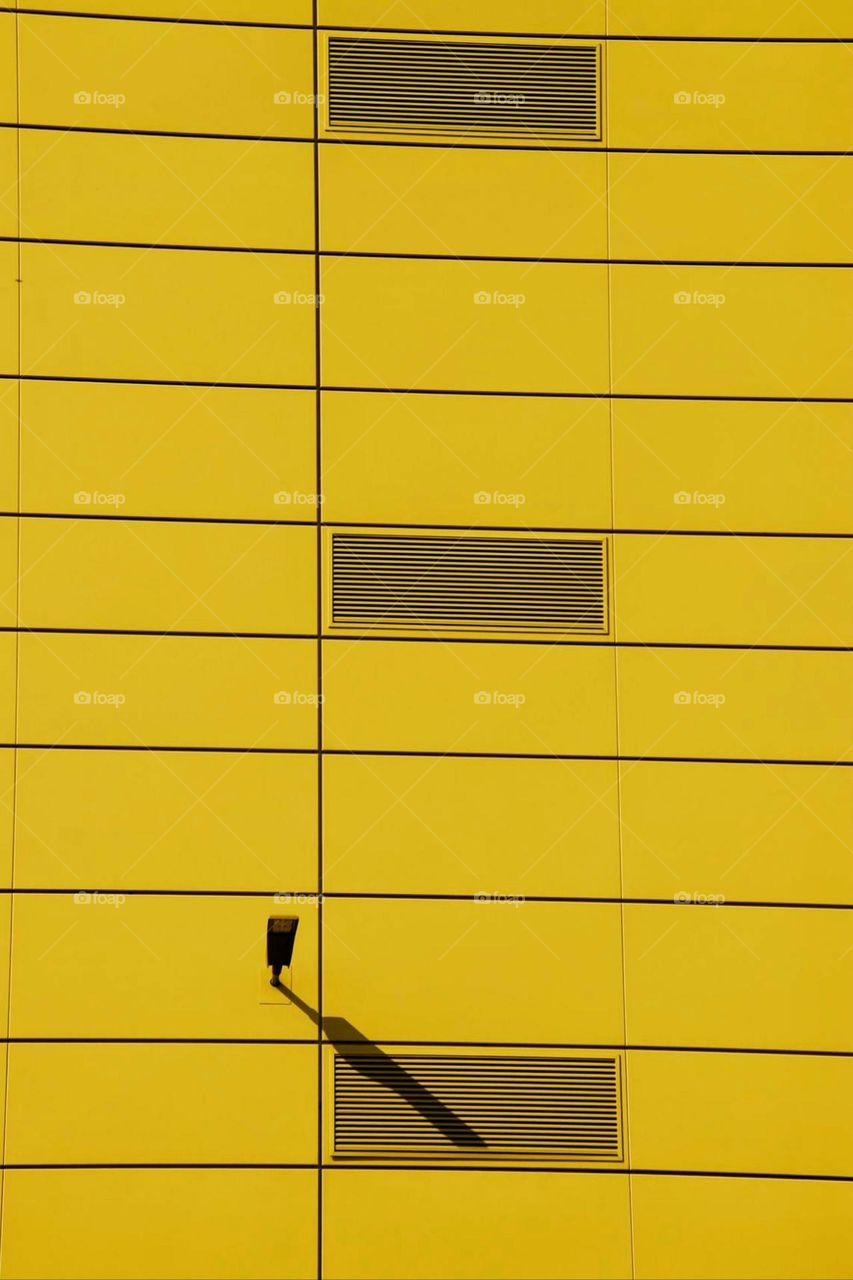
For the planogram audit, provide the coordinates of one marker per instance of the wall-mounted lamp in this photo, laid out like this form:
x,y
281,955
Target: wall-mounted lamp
x,y
281,935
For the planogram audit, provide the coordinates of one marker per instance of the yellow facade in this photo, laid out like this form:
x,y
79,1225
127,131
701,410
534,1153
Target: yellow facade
x,y
557,786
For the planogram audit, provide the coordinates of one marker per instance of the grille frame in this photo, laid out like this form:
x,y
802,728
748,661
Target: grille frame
x,y
585,56
455,1074
580,584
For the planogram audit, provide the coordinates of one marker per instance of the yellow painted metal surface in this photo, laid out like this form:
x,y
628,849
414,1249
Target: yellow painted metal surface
x,y
525,700
737,977
226,333
156,967
463,460
678,838
409,824
728,1228
468,326
722,465
731,705
224,821
210,191
558,1226
155,576
744,331
701,208
796,591
209,452
721,96
177,691
741,1112
263,1098
211,1222
483,970
175,77
173,316
429,200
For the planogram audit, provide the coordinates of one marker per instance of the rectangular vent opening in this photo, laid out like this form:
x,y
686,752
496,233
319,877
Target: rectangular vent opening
x,y
469,583
464,88
435,1105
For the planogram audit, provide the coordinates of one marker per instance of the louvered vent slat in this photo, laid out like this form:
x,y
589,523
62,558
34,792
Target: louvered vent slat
x,y
431,1104
469,583
458,87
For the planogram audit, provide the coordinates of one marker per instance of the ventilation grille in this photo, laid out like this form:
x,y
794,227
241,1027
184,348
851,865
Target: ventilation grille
x,y
461,87
469,583
429,1105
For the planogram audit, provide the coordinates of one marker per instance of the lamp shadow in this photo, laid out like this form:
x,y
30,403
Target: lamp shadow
x,y
371,1062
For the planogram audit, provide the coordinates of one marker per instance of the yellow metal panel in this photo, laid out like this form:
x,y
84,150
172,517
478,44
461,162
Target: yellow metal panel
x,y
526,699
779,833
207,820
551,17
466,460
732,208
746,1112
8,445
728,465
8,571
158,1224
150,967
176,691
8,63
731,1229
729,18
482,326
746,977
796,591
728,97
173,77
8,685
138,575
195,191
7,813
8,307
167,314
8,176
226,452
281,11
178,1103
480,971
504,1225
753,331
452,201
734,705
403,824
